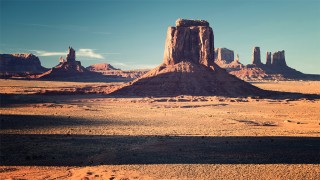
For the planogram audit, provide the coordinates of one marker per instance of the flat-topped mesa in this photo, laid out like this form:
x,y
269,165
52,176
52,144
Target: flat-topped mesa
x,y
190,41
71,56
256,58
223,54
268,59
189,23
278,59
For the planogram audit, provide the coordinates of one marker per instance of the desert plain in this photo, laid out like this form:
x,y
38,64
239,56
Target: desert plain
x,y
48,133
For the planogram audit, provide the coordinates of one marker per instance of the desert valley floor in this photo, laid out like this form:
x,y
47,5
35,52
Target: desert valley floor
x,y
96,136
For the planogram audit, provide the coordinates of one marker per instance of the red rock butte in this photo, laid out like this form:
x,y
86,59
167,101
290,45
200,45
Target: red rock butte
x,y
188,67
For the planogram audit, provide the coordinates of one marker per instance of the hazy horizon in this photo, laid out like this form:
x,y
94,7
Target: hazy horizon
x,y
131,34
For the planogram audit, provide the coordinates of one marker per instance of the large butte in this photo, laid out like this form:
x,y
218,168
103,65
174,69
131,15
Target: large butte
x,y
188,67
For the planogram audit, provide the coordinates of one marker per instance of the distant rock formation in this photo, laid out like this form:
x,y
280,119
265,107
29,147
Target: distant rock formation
x,y
278,59
223,55
71,56
256,58
20,64
225,58
268,59
101,67
188,67
275,68
108,69
69,69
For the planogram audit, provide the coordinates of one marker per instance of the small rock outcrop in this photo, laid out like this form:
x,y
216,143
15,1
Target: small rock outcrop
x,y
268,59
256,58
188,68
189,41
20,64
278,59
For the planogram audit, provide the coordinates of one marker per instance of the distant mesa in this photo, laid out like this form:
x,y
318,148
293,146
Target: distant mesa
x,y
188,67
225,58
20,65
101,67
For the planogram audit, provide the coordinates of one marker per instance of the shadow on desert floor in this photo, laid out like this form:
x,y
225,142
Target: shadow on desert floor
x,y
84,150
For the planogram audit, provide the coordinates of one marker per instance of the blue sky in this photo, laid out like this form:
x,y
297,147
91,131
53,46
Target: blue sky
x,y
131,34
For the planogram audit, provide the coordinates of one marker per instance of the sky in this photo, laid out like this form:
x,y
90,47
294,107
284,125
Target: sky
x,y
131,34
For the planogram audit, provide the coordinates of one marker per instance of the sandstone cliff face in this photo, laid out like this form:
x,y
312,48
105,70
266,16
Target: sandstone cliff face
x,y
256,58
13,64
189,41
188,68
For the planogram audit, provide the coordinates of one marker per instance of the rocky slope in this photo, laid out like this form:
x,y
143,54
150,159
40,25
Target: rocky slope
x,y
20,64
188,67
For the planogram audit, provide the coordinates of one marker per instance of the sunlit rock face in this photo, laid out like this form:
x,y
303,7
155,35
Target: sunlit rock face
x,y
189,41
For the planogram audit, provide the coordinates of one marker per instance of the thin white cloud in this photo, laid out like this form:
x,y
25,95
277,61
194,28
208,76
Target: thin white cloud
x,y
89,53
86,53
47,53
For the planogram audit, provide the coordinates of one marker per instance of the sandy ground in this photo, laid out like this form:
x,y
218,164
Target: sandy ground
x,y
101,137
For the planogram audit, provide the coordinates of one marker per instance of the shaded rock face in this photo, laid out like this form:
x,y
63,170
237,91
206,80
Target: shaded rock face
x,y
190,41
278,59
223,54
71,56
188,68
268,59
256,58
12,64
